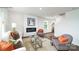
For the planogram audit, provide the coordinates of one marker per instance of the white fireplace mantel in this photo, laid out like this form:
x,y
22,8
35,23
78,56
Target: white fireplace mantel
x,y
26,25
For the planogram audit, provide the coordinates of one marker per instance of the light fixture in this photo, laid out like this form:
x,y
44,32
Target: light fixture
x,y
13,25
40,8
49,17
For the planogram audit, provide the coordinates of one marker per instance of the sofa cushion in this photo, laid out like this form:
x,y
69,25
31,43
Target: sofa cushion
x,y
63,39
6,46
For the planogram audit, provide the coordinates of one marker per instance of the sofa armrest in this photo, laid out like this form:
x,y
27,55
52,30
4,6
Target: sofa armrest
x,y
55,41
20,49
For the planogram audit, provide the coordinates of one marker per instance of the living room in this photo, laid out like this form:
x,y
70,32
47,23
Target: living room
x,y
52,21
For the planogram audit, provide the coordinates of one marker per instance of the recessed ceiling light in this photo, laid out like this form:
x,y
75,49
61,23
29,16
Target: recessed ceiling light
x,y
40,8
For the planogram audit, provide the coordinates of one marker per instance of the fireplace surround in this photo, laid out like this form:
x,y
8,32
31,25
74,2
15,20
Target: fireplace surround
x,y
30,29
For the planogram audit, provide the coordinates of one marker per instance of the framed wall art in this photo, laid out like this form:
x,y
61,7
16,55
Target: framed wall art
x,y
30,21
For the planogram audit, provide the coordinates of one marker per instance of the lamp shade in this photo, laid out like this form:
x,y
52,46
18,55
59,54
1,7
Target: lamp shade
x,y
13,25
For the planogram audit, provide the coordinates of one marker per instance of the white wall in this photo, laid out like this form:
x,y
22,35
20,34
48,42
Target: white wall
x,y
69,24
18,18
41,24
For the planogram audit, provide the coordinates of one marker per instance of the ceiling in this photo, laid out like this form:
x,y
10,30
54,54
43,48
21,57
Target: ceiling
x,y
43,11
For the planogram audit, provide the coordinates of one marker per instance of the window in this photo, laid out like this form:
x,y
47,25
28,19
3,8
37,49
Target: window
x,y
3,17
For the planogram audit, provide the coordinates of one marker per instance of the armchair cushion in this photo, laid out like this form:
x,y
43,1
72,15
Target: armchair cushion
x,y
63,39
40,32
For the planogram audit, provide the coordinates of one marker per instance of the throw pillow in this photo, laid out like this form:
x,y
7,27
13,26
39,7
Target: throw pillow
x,y
63,39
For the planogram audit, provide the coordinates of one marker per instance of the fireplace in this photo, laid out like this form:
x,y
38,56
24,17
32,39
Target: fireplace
x,y
30,29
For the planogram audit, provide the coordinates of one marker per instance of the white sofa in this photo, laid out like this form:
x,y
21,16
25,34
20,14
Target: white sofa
x,y
20,49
